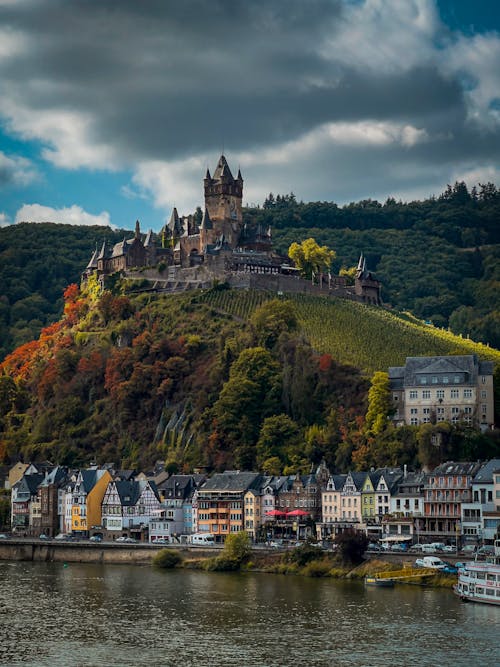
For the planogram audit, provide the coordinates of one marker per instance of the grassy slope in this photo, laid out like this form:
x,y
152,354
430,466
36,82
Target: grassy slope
x,y
367,337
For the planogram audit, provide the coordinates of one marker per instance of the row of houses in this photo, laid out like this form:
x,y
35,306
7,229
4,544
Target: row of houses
x,y
455,502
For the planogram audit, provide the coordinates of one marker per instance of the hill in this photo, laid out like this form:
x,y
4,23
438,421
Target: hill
x,y
220,378
37,263
438,258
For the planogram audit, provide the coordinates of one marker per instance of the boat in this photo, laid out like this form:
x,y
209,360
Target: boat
x,y
378,581
479,581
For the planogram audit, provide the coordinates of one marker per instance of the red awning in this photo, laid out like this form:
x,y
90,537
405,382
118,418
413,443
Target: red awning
x,y
298,513
275,513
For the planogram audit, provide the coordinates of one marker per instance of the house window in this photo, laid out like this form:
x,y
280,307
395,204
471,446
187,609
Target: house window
x,y
426,393
445,380
413,393
440,393
454,393
468,410
434,379
414,421
427,411
423,380
395,397
483,379
456,379
455,411
414,411
467,393
483,394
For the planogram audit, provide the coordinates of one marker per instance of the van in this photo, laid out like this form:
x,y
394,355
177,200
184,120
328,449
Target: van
x,y
202,538
428,549
432,562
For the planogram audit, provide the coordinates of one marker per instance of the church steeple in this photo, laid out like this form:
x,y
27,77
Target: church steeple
x,y
137,230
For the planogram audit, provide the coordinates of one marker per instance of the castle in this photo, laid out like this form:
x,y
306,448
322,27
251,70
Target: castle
x,y
195,249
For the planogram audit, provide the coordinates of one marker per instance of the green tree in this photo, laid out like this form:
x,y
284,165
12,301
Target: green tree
x,y
351,545
279,437
310,257
379,403
237,547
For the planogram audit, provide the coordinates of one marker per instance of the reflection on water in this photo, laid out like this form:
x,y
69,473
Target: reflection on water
x,y
96,615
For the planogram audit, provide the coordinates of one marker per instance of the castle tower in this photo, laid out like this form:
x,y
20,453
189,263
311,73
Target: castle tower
x,y
223,201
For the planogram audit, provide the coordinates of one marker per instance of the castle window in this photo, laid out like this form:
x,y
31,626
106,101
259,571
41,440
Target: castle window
x,y
440,393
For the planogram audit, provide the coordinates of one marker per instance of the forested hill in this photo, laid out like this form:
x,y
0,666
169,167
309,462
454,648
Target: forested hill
x,y
438,258
221,378
37,263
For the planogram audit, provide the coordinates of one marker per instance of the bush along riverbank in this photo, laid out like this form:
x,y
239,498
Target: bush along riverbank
x,y
306,560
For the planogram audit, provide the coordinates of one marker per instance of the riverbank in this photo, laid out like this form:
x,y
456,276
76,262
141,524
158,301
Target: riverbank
x,y
326,564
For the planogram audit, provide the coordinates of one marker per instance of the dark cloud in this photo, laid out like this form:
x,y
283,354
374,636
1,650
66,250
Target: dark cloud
x,y
163,81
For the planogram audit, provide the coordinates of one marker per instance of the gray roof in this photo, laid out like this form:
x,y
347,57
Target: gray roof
x,y
222,170
485,473
231,481
454,468
415,366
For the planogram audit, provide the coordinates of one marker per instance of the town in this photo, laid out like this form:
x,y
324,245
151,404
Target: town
x,y
456,504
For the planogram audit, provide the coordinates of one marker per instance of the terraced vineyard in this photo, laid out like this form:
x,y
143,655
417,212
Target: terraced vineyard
x,y
367,337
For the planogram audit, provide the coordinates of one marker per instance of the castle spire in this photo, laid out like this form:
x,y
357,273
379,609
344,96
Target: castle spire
x,y
137,230
206,222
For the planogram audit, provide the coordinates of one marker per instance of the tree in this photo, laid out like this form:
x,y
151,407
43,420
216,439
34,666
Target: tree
x,y
311,258
379,403
351,545
237,547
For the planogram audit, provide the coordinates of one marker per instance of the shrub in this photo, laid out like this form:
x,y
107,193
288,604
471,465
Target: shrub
x,y
351,545
304,554
166,558
316,568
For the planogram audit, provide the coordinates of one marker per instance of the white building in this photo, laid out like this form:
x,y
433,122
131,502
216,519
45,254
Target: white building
x,y
456,389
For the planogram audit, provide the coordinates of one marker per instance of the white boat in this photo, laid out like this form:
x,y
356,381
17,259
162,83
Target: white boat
x,y
479,581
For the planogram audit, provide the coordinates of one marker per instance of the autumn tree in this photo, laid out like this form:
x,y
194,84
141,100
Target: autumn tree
x,y
311,258
379,403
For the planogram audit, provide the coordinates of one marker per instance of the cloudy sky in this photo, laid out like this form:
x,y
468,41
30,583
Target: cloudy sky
x,y
112,110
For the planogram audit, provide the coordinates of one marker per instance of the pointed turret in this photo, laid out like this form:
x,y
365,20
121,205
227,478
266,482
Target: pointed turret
x,y
207,175
175,224
148,241
222,170
102,254
206,222
93,260
137,230
239,177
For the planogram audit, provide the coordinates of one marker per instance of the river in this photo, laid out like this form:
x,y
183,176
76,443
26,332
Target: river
x,y
123,615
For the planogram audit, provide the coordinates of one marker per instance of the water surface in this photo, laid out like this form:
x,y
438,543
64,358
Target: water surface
x,y
84,615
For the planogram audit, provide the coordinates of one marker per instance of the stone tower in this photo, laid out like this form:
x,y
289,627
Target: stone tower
x,y
223,201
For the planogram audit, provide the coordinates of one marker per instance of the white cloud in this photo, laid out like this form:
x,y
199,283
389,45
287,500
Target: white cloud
x,y
69,135
73,215
179,182
476,60
4,220
15,170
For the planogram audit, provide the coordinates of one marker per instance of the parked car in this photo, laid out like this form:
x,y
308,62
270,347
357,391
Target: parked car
x,y
62,536
416,548
432,562
95,538
373,547
399,547
468,550
124,538
449,548
43,537
3,536
161,540
486,550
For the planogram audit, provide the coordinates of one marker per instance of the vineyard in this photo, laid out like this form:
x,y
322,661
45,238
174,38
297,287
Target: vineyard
x,y
367,337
